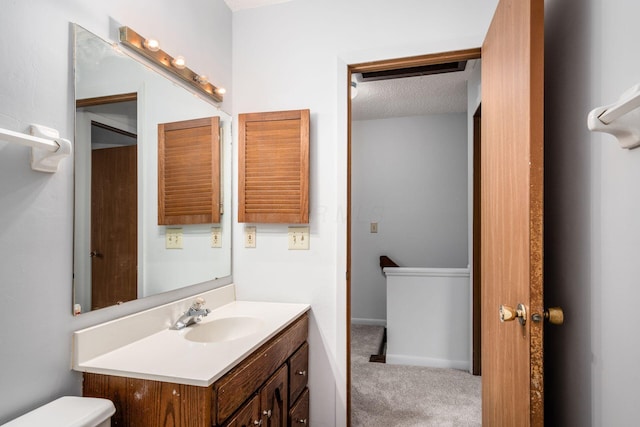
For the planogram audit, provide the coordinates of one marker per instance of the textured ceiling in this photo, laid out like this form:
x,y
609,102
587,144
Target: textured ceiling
x,y
412,96
250,4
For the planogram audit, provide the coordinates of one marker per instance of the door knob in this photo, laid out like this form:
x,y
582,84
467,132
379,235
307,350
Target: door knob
x,y
554,315
507,314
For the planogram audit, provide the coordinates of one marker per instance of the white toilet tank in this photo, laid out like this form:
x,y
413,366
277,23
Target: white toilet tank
x,y
69,411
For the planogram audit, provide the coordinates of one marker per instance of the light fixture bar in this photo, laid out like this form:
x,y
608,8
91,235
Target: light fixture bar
x,y
135,41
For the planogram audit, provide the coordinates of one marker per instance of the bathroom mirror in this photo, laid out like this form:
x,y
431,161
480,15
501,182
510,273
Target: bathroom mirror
x,y
120,251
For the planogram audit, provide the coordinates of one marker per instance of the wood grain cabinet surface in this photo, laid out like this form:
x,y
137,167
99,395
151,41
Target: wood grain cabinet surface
x,y
189,172
273,167
299,412
255,392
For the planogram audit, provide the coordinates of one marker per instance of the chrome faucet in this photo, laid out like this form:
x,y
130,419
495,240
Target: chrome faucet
x,y
195,314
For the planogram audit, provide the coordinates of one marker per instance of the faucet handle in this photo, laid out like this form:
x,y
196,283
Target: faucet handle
x,y
198,303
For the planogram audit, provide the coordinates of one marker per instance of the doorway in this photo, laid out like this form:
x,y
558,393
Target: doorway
x,y
106,180
382,68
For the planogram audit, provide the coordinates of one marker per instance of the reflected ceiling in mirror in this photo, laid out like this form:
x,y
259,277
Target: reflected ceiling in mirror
x,y
120,251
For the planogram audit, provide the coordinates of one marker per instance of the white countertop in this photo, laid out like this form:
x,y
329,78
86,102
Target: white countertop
x,y
168,356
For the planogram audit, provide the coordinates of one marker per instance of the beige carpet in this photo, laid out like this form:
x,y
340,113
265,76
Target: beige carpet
x,y
405,396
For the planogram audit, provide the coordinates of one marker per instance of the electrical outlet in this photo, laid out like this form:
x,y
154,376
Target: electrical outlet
x,y
250,237
374,227
173,238
298,238
216,237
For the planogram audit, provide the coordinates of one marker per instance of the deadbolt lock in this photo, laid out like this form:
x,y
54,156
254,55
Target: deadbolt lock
x,y
553,315
508,314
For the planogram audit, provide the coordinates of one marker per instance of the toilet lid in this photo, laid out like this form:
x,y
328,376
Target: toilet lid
x,y
67,411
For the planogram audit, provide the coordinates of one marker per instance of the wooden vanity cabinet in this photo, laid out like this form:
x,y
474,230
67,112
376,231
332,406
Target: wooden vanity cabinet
x,y
255,392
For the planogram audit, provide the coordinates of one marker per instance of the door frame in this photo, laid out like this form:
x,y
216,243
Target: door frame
x,y
84,116
383,65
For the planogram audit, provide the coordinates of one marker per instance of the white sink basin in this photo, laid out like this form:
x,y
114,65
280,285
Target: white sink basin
x,y
224,329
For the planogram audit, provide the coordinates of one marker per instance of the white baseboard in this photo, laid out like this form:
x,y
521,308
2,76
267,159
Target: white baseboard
x,y
401,359
371,322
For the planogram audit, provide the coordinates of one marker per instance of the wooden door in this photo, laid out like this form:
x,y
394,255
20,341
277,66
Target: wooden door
x,y
114,226
511,211
274,397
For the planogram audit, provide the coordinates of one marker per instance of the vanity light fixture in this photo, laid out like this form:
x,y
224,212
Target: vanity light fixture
x,y
151,44
202,79
179,62
175,66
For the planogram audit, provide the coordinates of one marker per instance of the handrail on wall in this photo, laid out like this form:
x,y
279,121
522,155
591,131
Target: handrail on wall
x,y
47,148
620,119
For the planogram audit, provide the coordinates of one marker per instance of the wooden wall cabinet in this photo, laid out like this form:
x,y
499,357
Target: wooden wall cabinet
x,y
189,172
273,167
268,388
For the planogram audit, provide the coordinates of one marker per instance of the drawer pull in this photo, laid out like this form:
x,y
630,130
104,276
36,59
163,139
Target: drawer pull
x,y
302,421
303,373
267,413
257,423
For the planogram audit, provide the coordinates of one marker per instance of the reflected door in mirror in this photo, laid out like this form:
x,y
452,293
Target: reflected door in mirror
x,y
114,229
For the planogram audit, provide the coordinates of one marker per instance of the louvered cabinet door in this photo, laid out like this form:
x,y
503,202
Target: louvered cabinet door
x,y
189,172
273,167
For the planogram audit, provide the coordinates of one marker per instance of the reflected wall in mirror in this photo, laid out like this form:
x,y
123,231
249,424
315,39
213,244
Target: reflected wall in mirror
x,y
120,250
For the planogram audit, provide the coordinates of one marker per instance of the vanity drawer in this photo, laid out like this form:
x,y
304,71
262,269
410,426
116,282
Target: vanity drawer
x,y
248,415
299,412
298,368
240,383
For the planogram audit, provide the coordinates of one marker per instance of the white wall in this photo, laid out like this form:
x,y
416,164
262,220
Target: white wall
x,y
36,209
425,325
408,174
294,55
591,210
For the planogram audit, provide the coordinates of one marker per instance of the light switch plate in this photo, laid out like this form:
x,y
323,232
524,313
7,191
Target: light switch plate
x,y
173,238
298,238
216,237
374,227
250,236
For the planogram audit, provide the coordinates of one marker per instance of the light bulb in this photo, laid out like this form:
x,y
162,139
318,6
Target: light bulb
x,y
201,78
179,62
221,91
152,44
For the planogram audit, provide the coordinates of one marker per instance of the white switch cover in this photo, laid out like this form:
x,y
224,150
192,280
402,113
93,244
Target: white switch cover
x,y
298,238
250,237
173,238
216,237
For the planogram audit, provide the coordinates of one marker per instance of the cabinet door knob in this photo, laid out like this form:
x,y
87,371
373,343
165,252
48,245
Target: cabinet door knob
x,y
302,421
257,423
303,373
267,413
